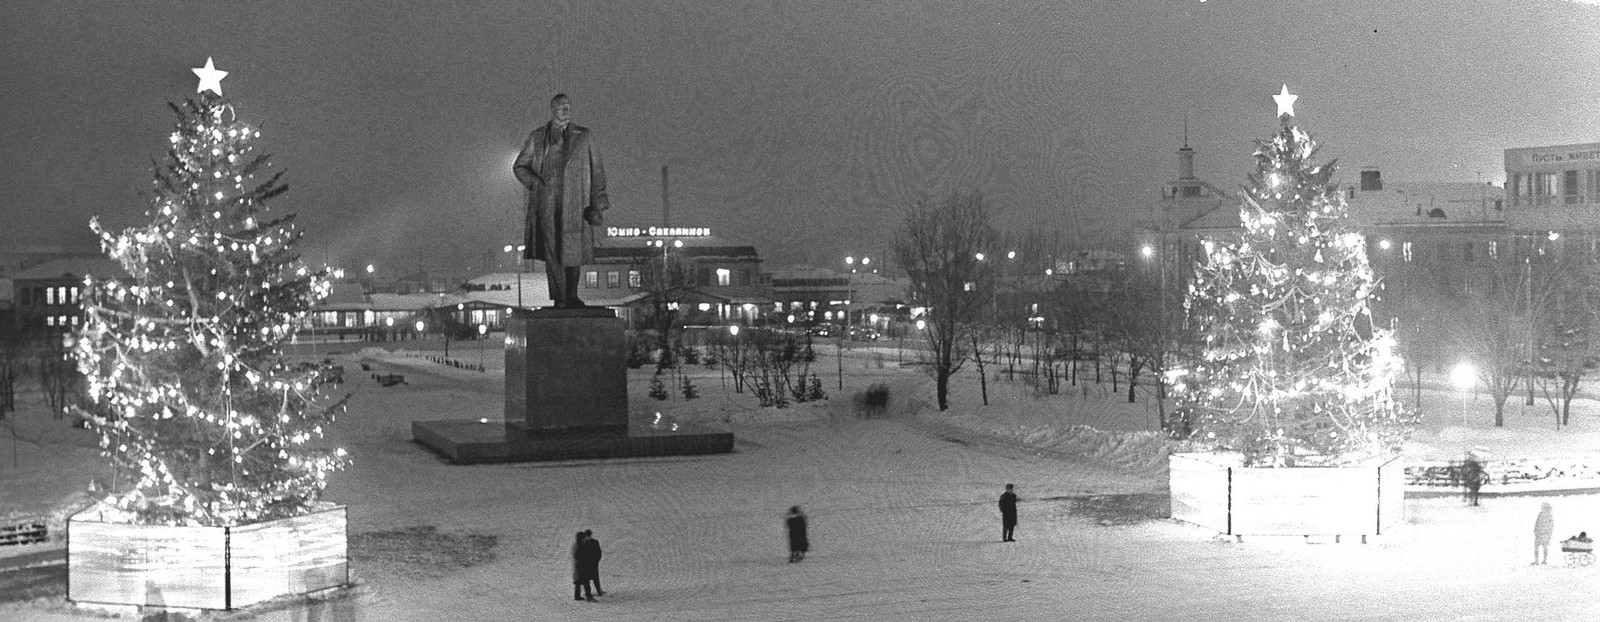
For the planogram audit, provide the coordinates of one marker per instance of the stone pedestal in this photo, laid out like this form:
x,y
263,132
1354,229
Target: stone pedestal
x,y
566,371
566,399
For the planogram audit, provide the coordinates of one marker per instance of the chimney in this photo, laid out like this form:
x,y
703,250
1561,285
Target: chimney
x,y
1371,180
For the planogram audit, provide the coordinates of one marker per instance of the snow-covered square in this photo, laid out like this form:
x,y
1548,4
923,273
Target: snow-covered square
x,y
902,510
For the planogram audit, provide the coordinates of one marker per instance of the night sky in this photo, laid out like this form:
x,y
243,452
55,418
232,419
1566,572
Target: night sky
x,y
804,128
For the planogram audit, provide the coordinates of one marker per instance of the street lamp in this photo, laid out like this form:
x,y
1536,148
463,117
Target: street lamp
x,y
483,331
1463,376
518,248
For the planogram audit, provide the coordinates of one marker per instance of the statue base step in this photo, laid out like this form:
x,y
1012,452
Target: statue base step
x,y
467,441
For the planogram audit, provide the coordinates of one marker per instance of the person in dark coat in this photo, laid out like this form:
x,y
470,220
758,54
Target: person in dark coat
x,y
592,555
1471,478
798,542
1008,514
580,581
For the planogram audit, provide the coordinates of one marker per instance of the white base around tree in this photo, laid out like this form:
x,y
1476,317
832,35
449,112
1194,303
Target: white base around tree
x,y
1216,491
205,567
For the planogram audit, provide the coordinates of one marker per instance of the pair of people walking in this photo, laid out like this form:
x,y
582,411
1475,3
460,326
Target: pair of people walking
x,y
586,555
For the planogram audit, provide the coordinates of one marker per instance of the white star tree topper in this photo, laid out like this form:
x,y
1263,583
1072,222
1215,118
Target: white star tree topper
x,y
210,78
1285,101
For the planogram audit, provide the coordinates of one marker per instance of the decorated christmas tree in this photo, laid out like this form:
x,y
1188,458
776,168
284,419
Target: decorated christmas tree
x,y
1291,369
202,416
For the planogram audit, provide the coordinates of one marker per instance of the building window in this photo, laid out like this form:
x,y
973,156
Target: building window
x,y
591,278
1494,250
613,279
1544,188
1594,186
704,275
633,278
1191,192
1570,188
1466,252
1405,251
74,295
50,297
724,277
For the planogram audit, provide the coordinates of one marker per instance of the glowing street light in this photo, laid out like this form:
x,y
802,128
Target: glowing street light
x,y
1463,376
483,329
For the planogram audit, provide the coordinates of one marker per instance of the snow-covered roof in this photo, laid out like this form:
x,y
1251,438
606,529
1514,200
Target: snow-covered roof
x,y
1407,202
345,293
77,267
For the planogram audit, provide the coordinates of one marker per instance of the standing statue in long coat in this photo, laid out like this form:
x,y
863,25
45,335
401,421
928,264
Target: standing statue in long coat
x,y
566,184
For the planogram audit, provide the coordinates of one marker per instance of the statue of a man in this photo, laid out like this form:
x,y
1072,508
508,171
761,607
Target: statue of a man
x,y
566,199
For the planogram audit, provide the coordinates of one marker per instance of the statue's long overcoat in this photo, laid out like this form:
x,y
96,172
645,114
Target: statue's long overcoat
x,y
582,184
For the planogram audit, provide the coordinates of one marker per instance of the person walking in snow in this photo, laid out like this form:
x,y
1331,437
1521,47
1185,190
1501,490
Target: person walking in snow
x,y
798,542
1543,528
1471,478
592,556
1008,514
580,581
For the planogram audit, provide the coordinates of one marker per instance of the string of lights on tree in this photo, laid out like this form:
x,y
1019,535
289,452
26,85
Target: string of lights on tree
x,y
1292,370
195,404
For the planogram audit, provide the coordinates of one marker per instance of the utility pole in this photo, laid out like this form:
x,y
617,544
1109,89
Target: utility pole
x,y
666,205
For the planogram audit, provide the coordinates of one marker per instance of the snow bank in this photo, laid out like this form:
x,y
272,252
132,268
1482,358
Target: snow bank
x,y
1139,453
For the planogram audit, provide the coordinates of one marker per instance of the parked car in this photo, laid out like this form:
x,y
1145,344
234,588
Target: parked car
x,y
863,333
824,330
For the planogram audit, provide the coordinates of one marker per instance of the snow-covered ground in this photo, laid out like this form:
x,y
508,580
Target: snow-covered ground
x,y
902,514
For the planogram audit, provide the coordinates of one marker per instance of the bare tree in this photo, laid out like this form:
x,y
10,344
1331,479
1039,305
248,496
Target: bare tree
x,y
1502,305
1565,353
13,363
665,282
58,374
938,246
1135,325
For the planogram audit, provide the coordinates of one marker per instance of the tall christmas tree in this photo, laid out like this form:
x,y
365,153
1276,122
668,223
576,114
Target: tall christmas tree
x,y
205,420
1291,371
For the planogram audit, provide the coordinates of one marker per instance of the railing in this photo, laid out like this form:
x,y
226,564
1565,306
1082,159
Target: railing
x,y
1547,473
27,532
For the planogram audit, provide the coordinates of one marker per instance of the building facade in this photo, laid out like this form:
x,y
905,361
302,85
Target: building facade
x,y
48,297
714,282
1451,257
